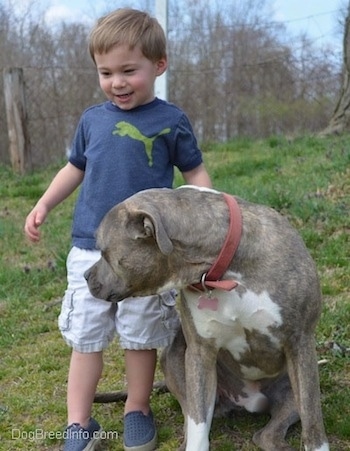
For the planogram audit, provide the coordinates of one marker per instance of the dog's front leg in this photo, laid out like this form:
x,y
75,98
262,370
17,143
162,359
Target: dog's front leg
x,y
201,383
303,374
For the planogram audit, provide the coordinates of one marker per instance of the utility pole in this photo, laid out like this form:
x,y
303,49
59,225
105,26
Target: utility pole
x,y
161,85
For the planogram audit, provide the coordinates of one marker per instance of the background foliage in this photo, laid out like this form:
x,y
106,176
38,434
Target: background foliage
x,y
233,70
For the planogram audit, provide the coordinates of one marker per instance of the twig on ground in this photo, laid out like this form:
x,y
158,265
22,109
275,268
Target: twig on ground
x,y
101,398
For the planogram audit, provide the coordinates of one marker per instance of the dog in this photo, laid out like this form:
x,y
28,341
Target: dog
x,y
249,303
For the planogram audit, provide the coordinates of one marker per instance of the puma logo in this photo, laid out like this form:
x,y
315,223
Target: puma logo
x,y
125,129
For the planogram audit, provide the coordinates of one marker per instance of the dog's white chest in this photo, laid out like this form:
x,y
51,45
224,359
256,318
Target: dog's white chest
x,y
233,315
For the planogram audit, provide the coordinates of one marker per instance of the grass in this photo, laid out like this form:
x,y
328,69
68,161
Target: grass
x,y
307,179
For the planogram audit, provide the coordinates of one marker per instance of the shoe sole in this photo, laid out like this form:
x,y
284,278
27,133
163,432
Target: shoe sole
x,y
94,444
149,446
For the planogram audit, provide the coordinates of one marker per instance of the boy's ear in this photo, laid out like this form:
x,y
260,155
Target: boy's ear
x,y
162,65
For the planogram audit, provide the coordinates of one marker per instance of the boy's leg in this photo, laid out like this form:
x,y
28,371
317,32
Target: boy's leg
x,y
140,367
87,325
84,373
143,324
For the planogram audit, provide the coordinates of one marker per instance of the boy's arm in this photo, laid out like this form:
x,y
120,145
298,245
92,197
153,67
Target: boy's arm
x,y
198,176
63,184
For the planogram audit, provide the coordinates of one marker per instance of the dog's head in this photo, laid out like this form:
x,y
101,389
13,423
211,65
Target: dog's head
x,y
148,245
134,246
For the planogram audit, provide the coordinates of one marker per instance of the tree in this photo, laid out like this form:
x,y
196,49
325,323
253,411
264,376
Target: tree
x,y
340,120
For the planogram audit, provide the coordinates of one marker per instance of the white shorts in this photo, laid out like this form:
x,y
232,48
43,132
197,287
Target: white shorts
x,y
89,324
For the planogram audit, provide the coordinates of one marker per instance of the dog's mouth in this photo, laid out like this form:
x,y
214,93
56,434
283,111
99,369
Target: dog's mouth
x,y
114,298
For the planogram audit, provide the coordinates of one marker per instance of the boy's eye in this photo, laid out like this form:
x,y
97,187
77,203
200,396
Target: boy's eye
x,y
129,71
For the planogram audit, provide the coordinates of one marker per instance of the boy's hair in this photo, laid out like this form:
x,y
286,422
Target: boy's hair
x,y
131,27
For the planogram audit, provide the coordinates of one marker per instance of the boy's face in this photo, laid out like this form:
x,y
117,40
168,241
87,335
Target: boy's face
x,y
127,77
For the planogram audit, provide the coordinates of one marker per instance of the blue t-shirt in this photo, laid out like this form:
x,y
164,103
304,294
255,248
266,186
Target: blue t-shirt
x,y
123,152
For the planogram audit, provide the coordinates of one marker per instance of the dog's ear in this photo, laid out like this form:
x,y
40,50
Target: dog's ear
x,y
143,224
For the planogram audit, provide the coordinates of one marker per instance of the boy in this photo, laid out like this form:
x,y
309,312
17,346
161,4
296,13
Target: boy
x,y
129,143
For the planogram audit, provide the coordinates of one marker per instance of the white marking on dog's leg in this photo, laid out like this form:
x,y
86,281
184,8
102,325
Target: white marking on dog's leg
x,y
197,436
324,447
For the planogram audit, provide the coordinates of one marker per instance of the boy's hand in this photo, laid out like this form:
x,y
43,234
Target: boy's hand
x,y
34,220
64,183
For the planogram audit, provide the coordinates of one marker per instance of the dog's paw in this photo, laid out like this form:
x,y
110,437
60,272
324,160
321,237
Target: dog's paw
x,y
268,441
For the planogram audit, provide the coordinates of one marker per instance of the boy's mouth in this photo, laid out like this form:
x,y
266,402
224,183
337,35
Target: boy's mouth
x,y
124,96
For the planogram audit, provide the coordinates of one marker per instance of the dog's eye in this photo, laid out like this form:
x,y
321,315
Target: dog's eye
x,y
116,262
105,256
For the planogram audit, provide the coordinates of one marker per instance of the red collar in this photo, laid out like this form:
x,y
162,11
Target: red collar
x,y
212,279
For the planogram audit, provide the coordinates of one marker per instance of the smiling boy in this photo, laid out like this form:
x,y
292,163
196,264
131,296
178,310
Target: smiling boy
x,y
127,144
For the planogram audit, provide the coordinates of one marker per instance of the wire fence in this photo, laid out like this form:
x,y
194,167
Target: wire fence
x,y
57,96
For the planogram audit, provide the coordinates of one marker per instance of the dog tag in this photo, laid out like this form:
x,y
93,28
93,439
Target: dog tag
x,y
205,301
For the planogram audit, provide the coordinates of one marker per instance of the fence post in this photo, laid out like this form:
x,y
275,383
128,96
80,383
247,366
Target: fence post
x,y
16,112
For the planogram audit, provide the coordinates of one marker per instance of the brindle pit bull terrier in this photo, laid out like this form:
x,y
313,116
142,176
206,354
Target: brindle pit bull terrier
x,y
247,335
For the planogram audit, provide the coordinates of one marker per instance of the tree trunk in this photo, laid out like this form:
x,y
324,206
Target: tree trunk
x,y
16,112
340,120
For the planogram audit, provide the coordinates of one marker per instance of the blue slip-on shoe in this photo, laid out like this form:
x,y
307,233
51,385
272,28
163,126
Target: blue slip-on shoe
x,y
78,438
140,432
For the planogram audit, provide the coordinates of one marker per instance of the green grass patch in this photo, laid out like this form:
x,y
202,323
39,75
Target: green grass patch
x,y
307,179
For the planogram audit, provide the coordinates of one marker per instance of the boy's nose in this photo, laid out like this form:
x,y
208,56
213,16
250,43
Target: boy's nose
x,y
118,81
